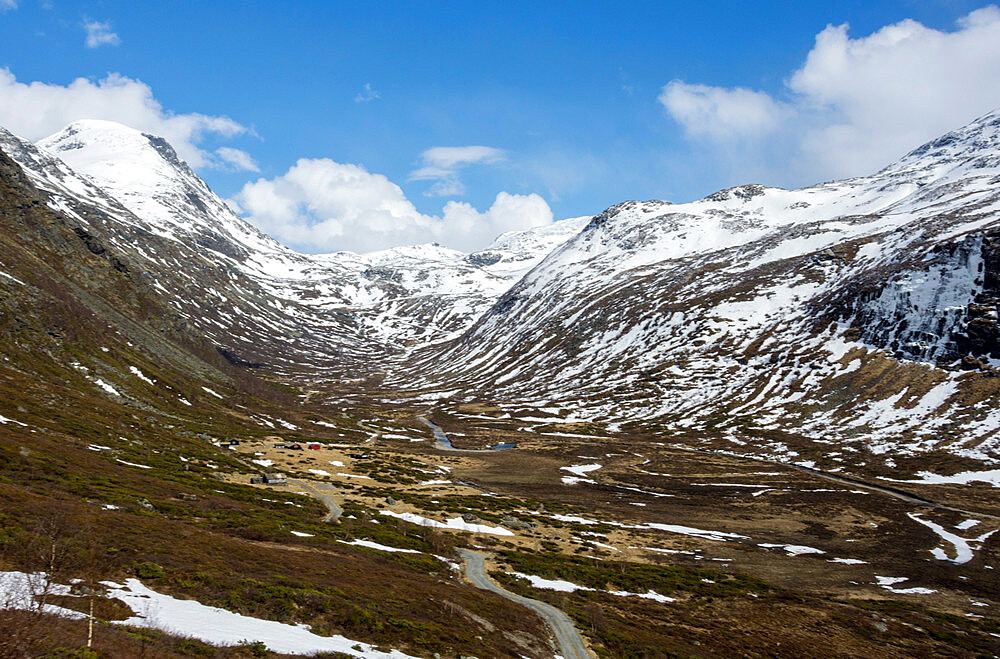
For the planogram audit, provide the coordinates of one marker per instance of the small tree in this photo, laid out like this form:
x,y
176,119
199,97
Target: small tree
x,y
595,615
40,559
94,563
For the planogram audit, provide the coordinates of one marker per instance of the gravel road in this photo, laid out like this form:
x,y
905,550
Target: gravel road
x,y
567,638
335,510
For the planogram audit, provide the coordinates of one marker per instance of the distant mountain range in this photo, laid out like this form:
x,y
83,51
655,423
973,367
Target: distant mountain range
x,y
848,325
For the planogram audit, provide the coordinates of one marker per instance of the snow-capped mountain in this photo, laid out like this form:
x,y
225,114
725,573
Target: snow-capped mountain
x,y
259,301
837,323
143,172
829,323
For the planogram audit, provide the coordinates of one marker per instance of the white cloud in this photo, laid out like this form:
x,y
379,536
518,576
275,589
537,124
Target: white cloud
x,y
36,110
6,5
721,113
100,34
322,205
442,164
367,93
238,159
855,104
449,157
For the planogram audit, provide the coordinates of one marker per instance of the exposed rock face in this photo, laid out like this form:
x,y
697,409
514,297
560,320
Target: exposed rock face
x,y
982,335
483,259
938,314
516,524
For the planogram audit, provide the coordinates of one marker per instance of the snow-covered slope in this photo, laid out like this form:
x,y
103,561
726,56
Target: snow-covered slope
x,y
260,301
514,253
837,323
143,172
760,312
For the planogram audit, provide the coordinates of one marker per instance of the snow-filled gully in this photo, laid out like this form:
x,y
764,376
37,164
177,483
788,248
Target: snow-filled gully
x,y
963,547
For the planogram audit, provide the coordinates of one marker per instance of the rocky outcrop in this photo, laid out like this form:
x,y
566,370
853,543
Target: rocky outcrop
x,y
942,312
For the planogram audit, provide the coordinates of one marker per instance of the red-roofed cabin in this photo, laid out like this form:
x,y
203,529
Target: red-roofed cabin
x,y
314,447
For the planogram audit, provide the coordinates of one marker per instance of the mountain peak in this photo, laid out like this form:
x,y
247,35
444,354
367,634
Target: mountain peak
x,y
98,126
977,144
98,147
145,174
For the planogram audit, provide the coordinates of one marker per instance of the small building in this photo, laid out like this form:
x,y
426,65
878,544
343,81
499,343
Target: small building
x,y
282,445
314,447
275,479
294,447
256,480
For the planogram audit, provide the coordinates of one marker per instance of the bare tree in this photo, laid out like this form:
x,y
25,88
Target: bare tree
x,y
47,558
93,565
40,559
595,615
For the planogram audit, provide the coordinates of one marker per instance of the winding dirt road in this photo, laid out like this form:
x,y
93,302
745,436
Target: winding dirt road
x,y
335,510
570,643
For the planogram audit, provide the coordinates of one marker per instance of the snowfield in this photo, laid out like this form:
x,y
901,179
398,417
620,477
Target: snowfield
x,y
457,523
193,619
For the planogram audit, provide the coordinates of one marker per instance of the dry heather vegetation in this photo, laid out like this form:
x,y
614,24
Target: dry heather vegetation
x,y
195,528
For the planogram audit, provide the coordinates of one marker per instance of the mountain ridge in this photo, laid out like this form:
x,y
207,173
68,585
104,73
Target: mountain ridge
x,y
706,316
144,189
630,316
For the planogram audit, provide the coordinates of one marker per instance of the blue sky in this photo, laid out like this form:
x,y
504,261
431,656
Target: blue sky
x,y
582,104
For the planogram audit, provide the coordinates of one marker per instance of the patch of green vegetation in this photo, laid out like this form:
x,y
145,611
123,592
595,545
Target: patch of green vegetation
x,y
330,609
254,649
77,653
489,508
400,471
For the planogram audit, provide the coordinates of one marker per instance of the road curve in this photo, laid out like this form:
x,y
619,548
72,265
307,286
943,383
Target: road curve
x,y
375,432
335,510
567,638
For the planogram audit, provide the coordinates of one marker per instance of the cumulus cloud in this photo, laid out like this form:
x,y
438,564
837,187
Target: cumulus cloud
x,y
855,104
441,164
100,34
322,206
721,113
6,5
237,159
367,93
36,110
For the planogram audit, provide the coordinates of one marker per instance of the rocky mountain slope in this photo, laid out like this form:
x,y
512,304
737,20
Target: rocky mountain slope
x,y
831,325
260,302
851,322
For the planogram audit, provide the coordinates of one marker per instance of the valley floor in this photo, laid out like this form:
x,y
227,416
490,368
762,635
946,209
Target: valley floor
x,y
652,547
